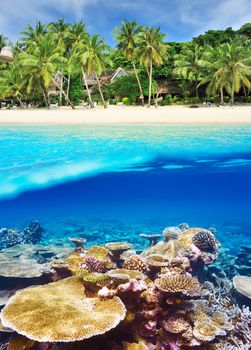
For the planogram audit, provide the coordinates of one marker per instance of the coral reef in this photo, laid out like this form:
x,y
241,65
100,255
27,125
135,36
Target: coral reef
x,y
115,299
32,234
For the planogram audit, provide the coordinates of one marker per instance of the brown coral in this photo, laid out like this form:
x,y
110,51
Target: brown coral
x,y
61,312
206,331
184,284
18,342
135,263
205,241
176,324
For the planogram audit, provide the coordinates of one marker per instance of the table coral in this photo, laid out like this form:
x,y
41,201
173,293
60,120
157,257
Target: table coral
x,y
61,312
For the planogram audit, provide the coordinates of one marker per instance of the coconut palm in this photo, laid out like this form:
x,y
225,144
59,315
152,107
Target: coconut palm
x,y
60,28
189,65
41,63
235,67
12,83
77,33
151,51
215,77
229,69
126,35
96,60
32,35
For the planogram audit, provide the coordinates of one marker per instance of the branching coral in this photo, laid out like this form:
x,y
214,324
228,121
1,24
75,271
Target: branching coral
x,y
184,284
136,263
205,241
92,264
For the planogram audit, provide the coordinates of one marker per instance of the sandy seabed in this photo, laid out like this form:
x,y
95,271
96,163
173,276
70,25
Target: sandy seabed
x,y
122,114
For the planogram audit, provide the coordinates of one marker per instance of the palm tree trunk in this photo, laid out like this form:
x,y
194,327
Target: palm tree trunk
x,y
196,88
88,90
150,84
221,95
21,103
68,88
100,91
232,95
45,99
67,98
139,83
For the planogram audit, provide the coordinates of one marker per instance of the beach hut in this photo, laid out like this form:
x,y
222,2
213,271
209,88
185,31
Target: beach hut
x,y
6,55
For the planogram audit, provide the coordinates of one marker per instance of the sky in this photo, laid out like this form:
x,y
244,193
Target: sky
x,y
181,20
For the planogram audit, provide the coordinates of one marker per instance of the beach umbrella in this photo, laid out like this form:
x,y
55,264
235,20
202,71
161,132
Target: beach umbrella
x,y
6,55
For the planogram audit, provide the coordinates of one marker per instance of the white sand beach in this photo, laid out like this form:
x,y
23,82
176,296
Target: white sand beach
x,y
122,114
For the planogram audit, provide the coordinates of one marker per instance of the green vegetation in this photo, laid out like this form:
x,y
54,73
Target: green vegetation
x,y
62,63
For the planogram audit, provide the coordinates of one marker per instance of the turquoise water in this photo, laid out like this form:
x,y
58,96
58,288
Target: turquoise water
x,y
113,182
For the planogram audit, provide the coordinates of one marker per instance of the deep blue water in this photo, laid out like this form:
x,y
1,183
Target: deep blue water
x,y
114,182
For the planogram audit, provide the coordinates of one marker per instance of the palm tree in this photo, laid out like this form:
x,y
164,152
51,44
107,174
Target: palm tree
x,y
96,59
215,77
32,35
41,64
229,69
126,36
12,83
77,33
151,51
60,28
189,64
235,65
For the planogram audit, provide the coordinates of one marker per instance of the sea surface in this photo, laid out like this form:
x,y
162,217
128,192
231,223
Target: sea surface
x,y
113,182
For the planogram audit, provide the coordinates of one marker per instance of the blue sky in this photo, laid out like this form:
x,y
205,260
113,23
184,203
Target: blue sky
x,y
180,19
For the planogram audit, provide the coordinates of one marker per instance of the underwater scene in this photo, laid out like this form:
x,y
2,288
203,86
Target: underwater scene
x,y
125,237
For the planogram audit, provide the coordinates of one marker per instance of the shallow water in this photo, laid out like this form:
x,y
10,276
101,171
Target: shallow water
x,y
113,182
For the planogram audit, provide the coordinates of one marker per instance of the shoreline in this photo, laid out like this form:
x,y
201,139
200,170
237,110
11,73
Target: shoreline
x,y
130,115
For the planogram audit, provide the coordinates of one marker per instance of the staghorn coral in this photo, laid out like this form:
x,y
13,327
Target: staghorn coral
x,y
205,241
183,284
61,312
92,264
135,263
176,324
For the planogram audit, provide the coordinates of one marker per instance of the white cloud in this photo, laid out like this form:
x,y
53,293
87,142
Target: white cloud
x,y
181,18
215,14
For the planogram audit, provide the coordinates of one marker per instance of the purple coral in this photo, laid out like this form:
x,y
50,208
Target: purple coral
x,y
93,264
